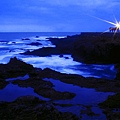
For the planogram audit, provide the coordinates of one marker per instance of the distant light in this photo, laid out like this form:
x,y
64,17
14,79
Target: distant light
x,y
116,24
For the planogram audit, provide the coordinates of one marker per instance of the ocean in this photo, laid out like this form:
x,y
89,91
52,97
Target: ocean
x,y
13,43
7,36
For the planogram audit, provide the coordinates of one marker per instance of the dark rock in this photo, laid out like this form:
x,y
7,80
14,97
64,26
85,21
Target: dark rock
x,y
63,105
61,55
35,44
3,84
97,83
15,68
86,47
31,100
117,66
34,82
65,45
66,57
88,111
53,94
44,88
32,108
112,102
37,36
45,51
97,48
111,107
25,39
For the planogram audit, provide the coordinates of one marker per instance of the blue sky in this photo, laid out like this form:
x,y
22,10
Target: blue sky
x,y
57,15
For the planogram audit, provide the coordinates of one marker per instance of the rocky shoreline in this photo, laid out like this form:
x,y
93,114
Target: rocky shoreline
x,y
29,107
32,108
45,88
87,47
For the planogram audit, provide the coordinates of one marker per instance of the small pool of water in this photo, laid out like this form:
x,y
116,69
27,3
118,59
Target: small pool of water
x,y
84,97
18,78
12,92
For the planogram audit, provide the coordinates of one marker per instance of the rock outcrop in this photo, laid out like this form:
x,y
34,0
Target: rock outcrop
x,y
97,48
17,68
35,44
90,82
86,47
14,68
111,107
44,88
45,51
32,108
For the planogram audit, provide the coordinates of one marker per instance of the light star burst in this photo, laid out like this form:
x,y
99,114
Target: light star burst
x,y
115,24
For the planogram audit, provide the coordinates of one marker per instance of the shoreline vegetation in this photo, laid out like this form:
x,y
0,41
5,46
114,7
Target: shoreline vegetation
x,y
102,48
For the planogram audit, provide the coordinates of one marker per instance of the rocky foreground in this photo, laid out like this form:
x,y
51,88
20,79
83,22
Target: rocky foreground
x,y
87,47
32,108
29,107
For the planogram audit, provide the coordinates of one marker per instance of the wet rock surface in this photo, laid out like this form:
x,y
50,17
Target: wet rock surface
x,y
45,51
111,107
112,101
117,66
29,107
63,46
32,108
14,68
35,44
44,88
88,111
97,83
3,84
17,68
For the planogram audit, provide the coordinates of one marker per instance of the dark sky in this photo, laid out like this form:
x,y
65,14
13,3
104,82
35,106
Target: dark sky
x,y
57,15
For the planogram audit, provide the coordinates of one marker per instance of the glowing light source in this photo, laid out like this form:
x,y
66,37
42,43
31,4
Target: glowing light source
x,y
116,24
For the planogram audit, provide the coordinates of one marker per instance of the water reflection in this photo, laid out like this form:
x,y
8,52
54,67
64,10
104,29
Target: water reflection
x,y
12,92
18,78
84,97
